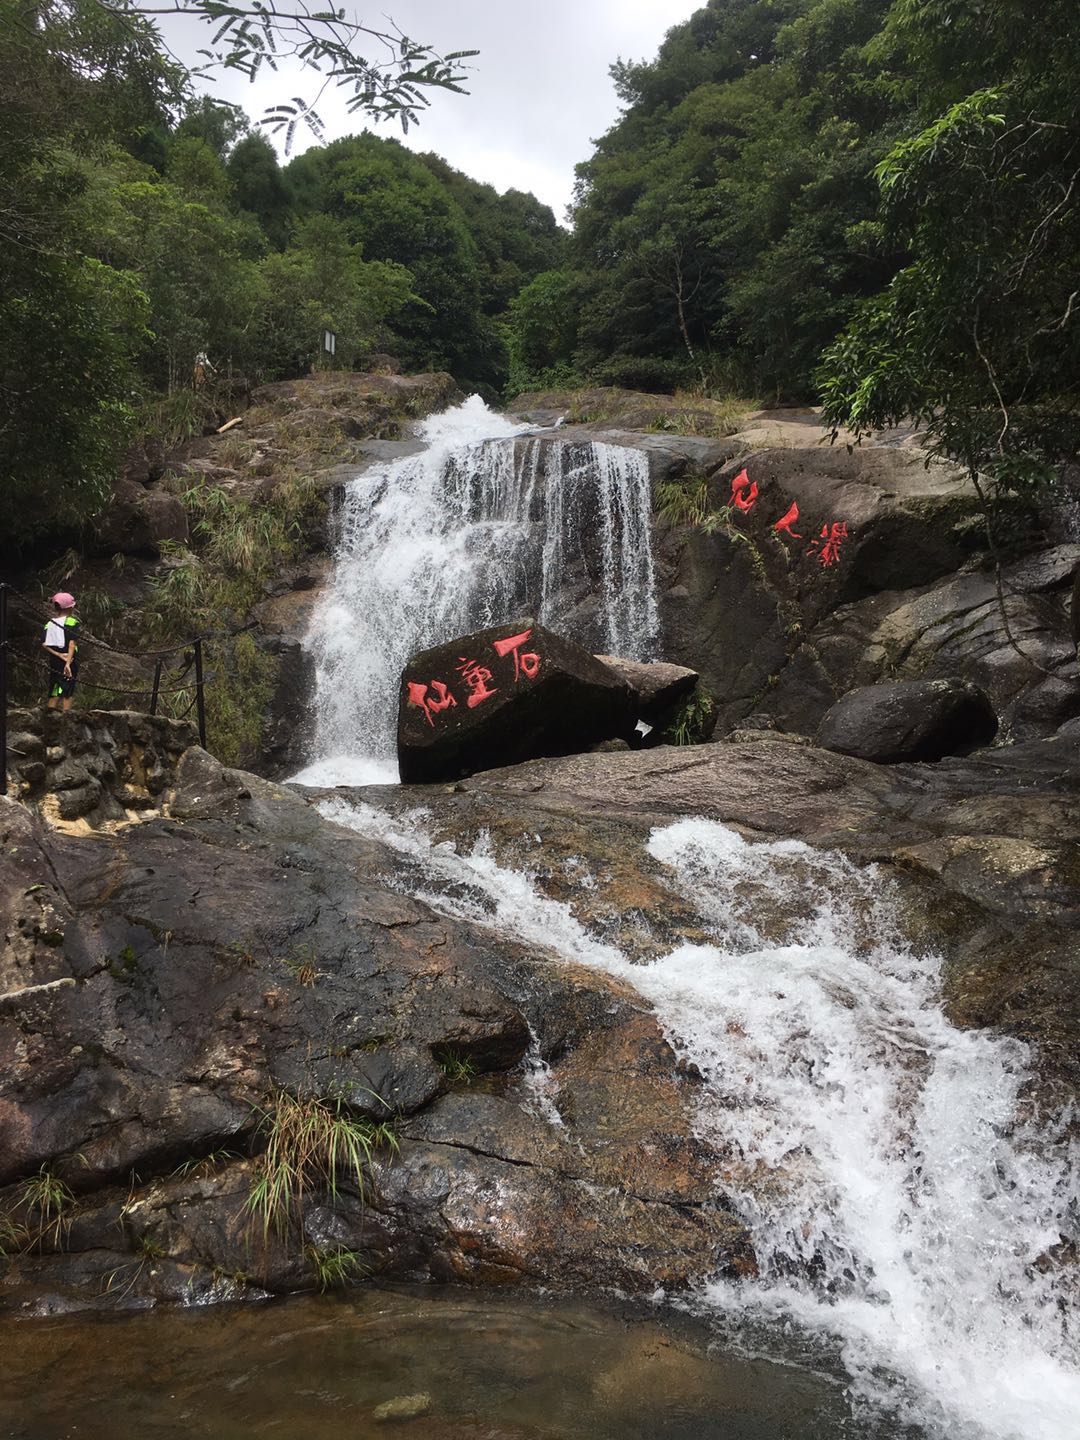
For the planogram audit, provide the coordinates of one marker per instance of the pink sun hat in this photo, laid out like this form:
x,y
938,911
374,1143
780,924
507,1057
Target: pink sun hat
x,y
64,600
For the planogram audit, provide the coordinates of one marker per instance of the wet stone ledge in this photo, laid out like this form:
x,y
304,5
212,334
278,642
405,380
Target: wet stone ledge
x,y
93,766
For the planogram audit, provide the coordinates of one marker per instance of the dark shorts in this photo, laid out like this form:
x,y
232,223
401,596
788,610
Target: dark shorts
x,y
62,686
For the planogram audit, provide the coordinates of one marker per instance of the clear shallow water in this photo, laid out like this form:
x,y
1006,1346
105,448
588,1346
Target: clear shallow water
x,y
492,1368
903,1211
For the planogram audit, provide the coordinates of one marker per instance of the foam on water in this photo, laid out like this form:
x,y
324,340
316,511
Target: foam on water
x,y
480,528
899,1204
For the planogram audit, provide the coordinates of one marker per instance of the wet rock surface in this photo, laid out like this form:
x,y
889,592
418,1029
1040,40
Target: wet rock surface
x,y
244,947
241,947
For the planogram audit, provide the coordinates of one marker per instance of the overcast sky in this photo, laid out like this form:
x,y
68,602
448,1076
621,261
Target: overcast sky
x,y
540,91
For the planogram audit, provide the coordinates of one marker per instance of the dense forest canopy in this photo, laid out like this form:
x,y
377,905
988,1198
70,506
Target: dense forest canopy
x,y
891,184
871,202
143,225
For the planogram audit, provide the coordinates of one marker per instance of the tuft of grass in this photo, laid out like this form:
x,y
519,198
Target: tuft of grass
x,y
301,964
312,1142
99,610
179,416
201,1166
149,1250
689,502
42,1207
335,1269
120,1282
458,1068
240,536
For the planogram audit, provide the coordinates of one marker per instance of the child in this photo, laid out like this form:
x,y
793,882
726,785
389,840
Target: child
x,y
62,647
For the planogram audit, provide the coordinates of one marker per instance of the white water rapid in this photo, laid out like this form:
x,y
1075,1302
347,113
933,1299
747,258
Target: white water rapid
x,y
487,524
902,1211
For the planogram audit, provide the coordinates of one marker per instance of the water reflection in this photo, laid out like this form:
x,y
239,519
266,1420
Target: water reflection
x,y
413,1365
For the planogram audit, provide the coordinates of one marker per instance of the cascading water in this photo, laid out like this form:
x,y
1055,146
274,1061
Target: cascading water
x,y
485,525
900,1207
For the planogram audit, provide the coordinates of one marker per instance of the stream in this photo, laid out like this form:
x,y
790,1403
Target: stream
x,y
905,1213
449,1365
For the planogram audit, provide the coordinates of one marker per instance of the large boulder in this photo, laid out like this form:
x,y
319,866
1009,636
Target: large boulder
x,y
910,720
657,686
138,521
499,696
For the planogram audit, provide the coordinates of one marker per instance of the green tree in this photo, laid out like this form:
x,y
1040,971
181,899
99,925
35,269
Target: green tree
x,y
70,324
111,277
395,208
259,188
194,260
323,283
978,336
542,333
725,225
218,124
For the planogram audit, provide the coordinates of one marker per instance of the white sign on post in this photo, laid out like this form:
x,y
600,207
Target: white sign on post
x,y
329,342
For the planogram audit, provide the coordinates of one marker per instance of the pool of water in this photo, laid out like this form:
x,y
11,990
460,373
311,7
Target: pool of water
x,y
419,1365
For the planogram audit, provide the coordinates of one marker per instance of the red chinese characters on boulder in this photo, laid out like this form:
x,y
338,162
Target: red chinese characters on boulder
x,y
435,697
527,664
476,677
827,546
786,523
744,492
432,705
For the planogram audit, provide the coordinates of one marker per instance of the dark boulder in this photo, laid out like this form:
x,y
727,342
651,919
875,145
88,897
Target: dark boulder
x,y
910,720
500,696
657,686
138,520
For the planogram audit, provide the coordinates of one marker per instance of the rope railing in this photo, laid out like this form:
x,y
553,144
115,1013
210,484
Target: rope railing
x,y
41,614
192,651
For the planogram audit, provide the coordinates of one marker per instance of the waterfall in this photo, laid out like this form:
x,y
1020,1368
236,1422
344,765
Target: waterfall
x,y
486,524
903,1210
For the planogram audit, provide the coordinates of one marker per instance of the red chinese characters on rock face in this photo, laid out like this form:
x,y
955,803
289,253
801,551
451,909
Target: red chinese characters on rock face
x,y
827,546
744,492
527,664
786,523
431,705
435,697
476,677
825,549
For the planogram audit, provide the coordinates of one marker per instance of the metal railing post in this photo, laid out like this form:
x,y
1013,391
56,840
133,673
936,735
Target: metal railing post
x,y
3,686
200,704
157,687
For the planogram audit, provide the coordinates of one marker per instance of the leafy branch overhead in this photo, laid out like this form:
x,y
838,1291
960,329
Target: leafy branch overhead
x,y
391,81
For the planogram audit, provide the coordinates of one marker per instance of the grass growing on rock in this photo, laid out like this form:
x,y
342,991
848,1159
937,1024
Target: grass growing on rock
x,y
334,1269
238,546
459,1069
687,412
313,1143
38,1215
695,720
688,501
